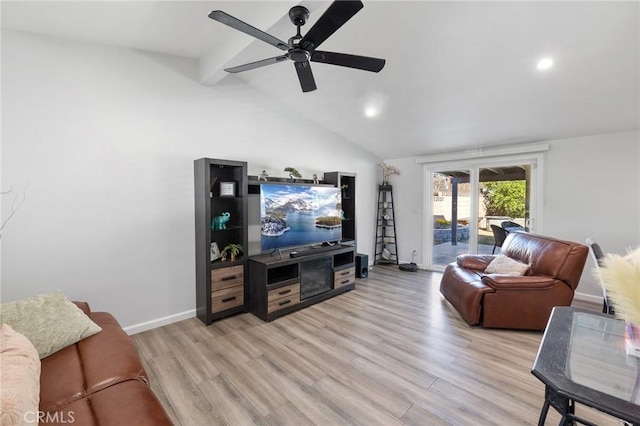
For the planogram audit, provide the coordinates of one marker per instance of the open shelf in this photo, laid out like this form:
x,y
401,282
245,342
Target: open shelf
x,y
282,273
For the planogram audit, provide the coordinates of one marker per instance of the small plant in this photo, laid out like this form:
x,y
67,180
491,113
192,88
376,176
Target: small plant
x,y
442,224
293,173
233,250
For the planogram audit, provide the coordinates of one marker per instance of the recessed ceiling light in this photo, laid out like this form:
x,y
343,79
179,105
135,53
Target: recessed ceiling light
x,y
374,104
544,64
371,111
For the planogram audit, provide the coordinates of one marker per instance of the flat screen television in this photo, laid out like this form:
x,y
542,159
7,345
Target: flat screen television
x,y
299,215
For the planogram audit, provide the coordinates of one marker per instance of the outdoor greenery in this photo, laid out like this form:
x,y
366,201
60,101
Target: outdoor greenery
x,y
442,224
505,198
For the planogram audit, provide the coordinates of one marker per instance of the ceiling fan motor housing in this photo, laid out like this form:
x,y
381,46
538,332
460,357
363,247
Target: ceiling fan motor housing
x,y
298,55
299,15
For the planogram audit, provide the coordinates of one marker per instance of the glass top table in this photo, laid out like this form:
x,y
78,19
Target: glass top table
x,y
582,358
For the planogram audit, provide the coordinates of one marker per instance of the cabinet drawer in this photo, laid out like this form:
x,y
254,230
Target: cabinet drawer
x,y
285,291
344,277
227,277
283,302
227,298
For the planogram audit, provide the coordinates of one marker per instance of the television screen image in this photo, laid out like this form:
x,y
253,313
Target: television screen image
x,y
298,215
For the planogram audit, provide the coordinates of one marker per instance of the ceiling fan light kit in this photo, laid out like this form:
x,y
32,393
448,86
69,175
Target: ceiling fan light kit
x,y
302,49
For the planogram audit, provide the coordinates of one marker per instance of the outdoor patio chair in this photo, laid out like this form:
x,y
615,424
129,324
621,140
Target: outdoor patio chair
x,y
598,255
499,236
510,226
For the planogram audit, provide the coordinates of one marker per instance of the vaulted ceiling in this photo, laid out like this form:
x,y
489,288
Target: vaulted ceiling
x,y
459,75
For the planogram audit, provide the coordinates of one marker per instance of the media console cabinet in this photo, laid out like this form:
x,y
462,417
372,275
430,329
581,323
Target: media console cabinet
x,y
280,284
222,187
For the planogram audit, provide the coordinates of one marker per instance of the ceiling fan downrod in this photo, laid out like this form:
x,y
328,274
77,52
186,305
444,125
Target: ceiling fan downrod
x,y
298,16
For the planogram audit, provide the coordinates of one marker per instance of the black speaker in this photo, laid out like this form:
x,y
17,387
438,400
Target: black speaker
x,y
362,265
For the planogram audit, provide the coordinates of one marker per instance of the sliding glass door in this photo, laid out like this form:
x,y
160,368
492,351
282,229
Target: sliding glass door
x,y
473,205
452,207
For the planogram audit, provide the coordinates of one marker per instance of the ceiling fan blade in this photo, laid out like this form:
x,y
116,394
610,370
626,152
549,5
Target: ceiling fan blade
x,y
335,16
235,23
257,64
351,61
305,76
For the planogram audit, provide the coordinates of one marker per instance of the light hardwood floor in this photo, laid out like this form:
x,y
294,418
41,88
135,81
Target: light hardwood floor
x,y
391,352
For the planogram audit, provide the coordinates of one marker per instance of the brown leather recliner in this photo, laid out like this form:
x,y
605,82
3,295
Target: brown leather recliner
x,y
520,302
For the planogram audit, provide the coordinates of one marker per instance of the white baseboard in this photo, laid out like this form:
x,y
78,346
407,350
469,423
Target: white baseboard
x,y
170,319
150,325
590,298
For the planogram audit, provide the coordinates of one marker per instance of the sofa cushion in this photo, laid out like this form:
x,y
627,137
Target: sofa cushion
x,y
504,265
464,289
19,378
89,366
128,403
563,260
50,321
474,261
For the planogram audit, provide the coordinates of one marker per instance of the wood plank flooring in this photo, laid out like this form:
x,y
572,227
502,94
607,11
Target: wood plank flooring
x,y
391,352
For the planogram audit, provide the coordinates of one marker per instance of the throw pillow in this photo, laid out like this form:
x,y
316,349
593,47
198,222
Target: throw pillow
x,y
505,265
50,321
20,378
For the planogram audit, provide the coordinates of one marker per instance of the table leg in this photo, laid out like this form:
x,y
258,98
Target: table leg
x,y
543,413
568,414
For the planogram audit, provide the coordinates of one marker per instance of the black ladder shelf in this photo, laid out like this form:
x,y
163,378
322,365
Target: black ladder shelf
x,y
386,248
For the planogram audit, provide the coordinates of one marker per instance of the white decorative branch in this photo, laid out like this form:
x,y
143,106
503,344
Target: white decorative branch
x,y
15,205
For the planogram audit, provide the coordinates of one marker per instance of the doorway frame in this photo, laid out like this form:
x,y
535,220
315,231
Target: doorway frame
x,y
532,155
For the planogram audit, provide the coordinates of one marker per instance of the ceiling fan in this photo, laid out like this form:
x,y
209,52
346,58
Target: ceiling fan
x,y
302,49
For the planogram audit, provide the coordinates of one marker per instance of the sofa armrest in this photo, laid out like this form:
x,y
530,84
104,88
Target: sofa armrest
x,y
510,282
475,262
84,306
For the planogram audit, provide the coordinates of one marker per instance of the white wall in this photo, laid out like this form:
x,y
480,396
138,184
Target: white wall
x,y
106,138
591,190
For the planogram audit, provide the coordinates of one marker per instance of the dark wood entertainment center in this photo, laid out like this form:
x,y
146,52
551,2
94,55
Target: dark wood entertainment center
x,y
277,281
268,285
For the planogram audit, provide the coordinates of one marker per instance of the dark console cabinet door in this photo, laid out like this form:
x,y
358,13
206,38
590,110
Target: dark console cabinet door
x,y
315,277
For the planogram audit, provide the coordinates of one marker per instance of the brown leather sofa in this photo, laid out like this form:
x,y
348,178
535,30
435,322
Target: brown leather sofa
x,y
519,302
98,381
